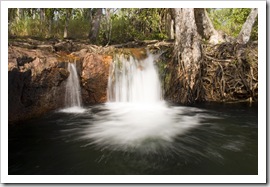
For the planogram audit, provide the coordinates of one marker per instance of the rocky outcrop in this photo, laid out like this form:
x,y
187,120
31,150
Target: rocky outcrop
x,y
94,78
37,73
35,83
36,79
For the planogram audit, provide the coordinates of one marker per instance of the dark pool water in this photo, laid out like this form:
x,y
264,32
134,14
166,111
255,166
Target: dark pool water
x,y
208,139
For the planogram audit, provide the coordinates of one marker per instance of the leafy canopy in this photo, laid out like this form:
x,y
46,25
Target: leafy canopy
x,y
231,20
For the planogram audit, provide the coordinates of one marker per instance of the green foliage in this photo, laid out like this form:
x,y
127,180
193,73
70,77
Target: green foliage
x,y
121,26
254,33
231,20
79,28
53,25
117,25
134,24
26,27
122,30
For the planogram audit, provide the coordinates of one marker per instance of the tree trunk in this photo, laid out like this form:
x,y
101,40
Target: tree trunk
x,y
66,29
33,13
108,25
21,13
42,14
67,18
16,14
169,23
17,17
50,26
95,24
171,33
50,18
12,14
206,28
187,53
245,32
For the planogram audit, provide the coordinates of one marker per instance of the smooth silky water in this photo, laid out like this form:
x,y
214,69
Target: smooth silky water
x,y
137,132
73,98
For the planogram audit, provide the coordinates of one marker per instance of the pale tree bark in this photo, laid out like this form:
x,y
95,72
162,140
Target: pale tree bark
x,y
245,32
50,18
169,23
42,14
66,29
33,12
171,31
19,14
206,28
95,25
67,18
187,52
108,24
17,17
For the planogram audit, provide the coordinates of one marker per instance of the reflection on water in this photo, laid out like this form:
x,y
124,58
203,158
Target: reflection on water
x,y
131,139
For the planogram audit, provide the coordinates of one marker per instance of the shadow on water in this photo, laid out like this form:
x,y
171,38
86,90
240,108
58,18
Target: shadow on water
x,y
105,139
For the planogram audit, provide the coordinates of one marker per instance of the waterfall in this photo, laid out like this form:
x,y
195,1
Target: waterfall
x,y
136,117
73,89
134,81
73,100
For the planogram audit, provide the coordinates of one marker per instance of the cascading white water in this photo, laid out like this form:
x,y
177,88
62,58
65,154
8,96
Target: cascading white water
x,y
136,116
73,89
73,100
134,81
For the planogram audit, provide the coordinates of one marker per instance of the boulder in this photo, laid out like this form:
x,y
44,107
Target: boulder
x,y
94,78
35,83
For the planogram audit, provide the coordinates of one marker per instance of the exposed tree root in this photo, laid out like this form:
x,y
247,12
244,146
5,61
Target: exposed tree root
x,y
228,73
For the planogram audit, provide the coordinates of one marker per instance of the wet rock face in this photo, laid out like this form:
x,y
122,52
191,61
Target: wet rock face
x,y
37,80
36,85
37,77
94,78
